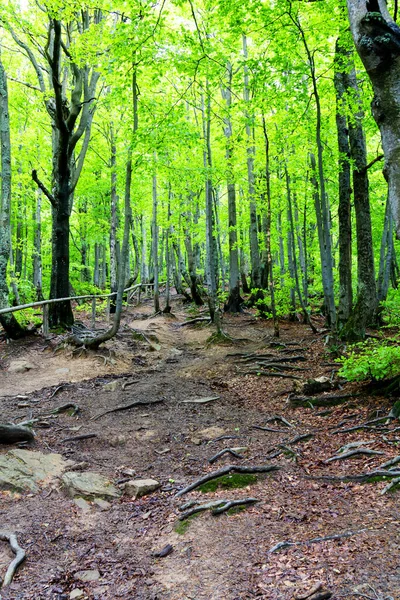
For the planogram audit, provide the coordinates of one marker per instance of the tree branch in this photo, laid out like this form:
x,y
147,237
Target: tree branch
x,y
44,189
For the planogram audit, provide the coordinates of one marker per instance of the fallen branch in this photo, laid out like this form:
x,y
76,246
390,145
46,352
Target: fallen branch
x,y
126,407
362,451
11,434
226,471
19,556
77,438
327,538
225,451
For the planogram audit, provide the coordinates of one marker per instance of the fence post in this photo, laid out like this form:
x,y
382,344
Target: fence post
x,y
45,326
93,313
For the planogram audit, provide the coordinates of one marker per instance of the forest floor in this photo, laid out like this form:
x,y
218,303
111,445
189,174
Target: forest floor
x,y
224,557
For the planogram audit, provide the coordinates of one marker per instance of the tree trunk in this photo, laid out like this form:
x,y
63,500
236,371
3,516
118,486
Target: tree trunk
x,y
154,228
253,230
234,301
114,220
37,249
377,40
344,210
8,321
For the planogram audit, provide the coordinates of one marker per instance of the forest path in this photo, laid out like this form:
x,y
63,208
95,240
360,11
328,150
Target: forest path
x,y
215,558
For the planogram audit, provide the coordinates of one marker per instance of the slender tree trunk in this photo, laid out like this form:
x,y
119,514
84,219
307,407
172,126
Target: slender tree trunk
x,y
155,246
8,321
114,220
37,249
234,301
253,231
344,210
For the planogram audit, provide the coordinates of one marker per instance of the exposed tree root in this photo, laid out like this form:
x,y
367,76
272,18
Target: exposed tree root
x,y
225,451
226,471
268,429
280,419
12,434
362,477
269,374
19,556
217,507
311,401
195,321
125,407
327,538
360,451
390,463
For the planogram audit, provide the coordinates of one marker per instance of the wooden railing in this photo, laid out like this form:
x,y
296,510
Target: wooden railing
x,y
93,297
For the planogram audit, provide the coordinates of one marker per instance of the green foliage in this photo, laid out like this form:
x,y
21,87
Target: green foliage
x,y
371,360
391,308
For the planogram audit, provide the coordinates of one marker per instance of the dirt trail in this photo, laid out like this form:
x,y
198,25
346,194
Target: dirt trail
x,y
215,558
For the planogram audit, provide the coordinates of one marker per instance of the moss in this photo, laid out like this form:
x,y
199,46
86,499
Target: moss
x,y
229,482
181,527
219,338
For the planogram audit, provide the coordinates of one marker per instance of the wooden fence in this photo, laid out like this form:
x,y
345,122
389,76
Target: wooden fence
x,y
45,303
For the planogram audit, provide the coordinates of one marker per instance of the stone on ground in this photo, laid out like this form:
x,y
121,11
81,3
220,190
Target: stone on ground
x,y
20,366
140,487
88,575
26,470
89,485
75,594
210,433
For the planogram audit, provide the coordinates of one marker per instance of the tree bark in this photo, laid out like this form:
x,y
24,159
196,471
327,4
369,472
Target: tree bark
x,y
8,321
377,40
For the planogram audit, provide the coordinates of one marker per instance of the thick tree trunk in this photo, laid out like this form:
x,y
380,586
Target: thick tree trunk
x,y
377,40
37,249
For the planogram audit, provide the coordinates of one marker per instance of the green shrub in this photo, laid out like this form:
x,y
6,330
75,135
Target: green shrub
x,y
373,359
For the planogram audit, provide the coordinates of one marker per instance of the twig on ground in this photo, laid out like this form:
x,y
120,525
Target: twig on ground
x,y
19,556
226,471
126,407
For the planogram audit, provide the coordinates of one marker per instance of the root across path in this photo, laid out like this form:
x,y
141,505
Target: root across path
x,y
264,492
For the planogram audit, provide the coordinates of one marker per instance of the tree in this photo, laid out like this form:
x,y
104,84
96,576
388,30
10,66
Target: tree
x,y
377,40
8,320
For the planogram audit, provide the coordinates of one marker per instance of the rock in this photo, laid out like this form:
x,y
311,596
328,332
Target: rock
x,y
103,504
210,433
196,441
82,504
317,385
20,366
112,386
140,487
200,400
62,371
25,470
89,485
241,449
76,594
89,575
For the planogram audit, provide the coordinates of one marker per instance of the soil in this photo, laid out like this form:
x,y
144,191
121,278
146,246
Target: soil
x,y
224,557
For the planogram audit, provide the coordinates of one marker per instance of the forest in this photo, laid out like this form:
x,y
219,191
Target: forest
x,y
200,206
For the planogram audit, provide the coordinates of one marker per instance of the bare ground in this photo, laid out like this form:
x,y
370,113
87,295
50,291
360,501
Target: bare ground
x,y
225,557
